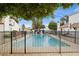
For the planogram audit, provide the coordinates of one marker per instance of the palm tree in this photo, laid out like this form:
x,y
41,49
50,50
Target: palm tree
x,y
64,19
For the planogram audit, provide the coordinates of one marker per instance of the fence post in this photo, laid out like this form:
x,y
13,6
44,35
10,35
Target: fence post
x,y
75,37
60,41
75,34
11,42
24,42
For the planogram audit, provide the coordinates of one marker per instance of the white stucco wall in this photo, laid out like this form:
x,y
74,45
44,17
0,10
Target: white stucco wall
x,y
58,27
46,28
15,26
74,18
1,32
6,21
1,27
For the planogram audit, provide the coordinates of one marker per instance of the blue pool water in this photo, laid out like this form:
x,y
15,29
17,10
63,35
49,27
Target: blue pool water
x,y
38,40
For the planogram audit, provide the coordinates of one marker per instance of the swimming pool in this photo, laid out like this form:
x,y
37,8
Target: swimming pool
x,y
40,40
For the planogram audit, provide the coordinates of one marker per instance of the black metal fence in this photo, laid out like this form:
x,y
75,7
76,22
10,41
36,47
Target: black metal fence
x,y
47,42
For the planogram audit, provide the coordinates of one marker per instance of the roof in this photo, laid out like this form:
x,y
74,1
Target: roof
x,y
64,26
75,25
73,13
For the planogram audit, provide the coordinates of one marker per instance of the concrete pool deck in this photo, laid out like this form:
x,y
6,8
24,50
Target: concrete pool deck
x,y
41,54
73,49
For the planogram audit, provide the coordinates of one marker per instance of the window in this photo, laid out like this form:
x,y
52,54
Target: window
x,y
11,23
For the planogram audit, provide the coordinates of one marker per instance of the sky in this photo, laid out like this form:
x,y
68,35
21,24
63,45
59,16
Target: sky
x,y
59,13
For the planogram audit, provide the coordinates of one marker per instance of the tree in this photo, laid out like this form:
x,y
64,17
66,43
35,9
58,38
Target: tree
x,y
52,26
33,11
37,24
64,19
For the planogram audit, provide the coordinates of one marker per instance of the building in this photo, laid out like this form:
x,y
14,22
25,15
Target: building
x,y
46,28
70,23
9,24
27,29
